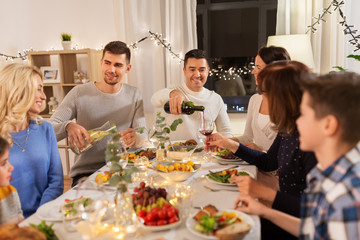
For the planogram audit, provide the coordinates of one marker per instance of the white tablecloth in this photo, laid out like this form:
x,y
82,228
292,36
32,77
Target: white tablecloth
x,y
202,197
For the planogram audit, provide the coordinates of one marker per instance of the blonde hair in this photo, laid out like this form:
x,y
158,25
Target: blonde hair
x,y
17,94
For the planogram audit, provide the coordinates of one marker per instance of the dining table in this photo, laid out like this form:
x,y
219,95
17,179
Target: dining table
x,y
203,192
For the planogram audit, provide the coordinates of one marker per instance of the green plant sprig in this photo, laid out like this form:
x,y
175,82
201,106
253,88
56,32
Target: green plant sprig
x,y
66,36
164,129
118,173
356,57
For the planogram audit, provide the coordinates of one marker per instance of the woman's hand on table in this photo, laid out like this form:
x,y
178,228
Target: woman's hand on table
x,y
250,187
76,135
217,140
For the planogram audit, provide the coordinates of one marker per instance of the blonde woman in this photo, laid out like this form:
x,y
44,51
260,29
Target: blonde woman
x,y
37,174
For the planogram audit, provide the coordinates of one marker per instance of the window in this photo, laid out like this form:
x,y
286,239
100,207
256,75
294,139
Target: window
x,y
232,31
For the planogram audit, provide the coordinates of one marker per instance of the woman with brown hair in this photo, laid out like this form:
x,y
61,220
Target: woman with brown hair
x,y
279,83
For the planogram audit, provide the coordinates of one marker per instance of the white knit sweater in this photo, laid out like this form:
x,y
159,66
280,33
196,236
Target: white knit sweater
x,y
191,123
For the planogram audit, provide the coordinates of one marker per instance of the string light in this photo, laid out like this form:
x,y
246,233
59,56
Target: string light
x,y
348,29
232,73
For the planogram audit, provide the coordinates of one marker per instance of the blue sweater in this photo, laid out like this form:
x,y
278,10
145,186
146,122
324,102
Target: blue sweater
x,y
38,174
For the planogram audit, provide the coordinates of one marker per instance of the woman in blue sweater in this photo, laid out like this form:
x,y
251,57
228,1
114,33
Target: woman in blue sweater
x,y
279,82
37,175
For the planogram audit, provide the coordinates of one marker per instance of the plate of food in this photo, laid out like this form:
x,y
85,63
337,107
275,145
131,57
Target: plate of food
x,y
226,155
52,211
154,211
132,156
210,223
222,177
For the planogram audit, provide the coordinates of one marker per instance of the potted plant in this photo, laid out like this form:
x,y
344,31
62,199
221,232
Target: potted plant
x,y
66,41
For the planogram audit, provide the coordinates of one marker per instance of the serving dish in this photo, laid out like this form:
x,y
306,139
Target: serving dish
x,y
175,176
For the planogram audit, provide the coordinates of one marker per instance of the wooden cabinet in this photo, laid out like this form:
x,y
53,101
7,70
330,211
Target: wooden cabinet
x,y
67,62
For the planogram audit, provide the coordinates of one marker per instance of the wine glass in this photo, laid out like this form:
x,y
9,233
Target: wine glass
x,y
207,126
120,152
92,205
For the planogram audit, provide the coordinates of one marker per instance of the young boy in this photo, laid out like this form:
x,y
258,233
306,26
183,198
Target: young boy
x,y
328,126
10,208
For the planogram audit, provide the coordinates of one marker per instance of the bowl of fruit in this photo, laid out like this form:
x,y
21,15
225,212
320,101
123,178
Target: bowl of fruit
x,y
176,171
154,211
181,150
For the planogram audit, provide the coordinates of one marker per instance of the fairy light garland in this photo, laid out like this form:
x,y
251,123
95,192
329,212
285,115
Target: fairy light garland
x,y
348,29
21,55
231,73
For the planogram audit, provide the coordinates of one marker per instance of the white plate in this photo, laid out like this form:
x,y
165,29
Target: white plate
x,y
191,223
50,211
227,184
160,228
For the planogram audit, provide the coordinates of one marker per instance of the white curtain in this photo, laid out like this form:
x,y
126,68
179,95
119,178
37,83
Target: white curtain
x,y
328,42
153,67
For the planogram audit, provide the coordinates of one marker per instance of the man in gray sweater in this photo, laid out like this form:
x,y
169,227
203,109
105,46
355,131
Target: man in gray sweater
x,y
93,104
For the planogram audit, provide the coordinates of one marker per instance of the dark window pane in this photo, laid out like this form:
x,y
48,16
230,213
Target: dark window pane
x,y
224,1
271,22
234,33
200,31
200,1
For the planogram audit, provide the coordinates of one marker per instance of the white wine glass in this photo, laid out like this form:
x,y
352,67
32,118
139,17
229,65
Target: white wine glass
x,y
119,151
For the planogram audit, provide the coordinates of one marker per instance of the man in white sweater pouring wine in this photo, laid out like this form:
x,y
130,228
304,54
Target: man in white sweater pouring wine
x,y
196,70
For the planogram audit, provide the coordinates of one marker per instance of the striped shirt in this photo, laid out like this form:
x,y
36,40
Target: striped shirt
x,y
9,204
330,207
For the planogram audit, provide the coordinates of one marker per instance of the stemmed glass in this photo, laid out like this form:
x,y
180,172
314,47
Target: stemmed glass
x,y
207,126
117,148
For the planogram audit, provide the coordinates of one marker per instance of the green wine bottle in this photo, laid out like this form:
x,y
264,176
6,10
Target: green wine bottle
x,y
186,108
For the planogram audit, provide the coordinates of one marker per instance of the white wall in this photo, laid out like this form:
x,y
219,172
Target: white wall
x,y
39,23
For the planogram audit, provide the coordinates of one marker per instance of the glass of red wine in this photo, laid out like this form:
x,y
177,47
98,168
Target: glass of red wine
x,y
207,126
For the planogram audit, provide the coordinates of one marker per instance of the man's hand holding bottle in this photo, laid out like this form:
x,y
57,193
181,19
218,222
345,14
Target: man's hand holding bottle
x,y
175,101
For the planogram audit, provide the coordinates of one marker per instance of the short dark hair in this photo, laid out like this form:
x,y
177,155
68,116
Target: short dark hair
x,y
195,53
118,47
280,81
4,145
273,53
337,94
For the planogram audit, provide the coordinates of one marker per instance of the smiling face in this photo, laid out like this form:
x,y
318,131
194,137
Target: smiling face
x,y
259,65
40,96
114,67
196,72
5,169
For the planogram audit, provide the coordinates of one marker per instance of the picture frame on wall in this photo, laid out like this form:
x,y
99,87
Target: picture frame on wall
x,y
51,74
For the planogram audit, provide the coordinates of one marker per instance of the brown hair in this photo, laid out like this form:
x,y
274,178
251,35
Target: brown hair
x,y
272,53
4,145
195,53
337,94
118,47
280,82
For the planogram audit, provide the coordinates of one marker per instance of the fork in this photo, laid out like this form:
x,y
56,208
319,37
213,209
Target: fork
x,y
218,190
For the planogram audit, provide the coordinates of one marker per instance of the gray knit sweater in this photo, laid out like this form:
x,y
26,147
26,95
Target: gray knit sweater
x,y
92,108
